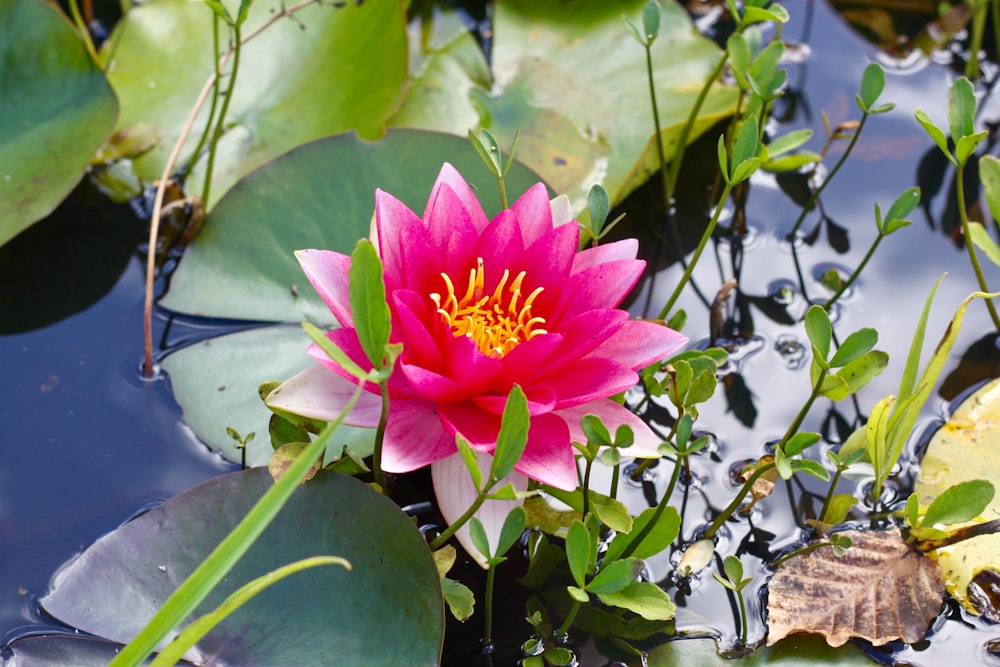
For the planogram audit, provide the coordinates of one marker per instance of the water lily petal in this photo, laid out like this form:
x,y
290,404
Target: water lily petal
x,y
541,356
451,227
347,341
449,176
639,343
613,415
409,328
550,258
540,401
414,437
501,248
392,216
432,386
455,494
605,253
466,364
562,211
476,425
597,287
318,393
548,456
534,213
328,272
589,379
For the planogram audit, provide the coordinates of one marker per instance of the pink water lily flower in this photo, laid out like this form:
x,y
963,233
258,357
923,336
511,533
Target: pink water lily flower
x,y
481,305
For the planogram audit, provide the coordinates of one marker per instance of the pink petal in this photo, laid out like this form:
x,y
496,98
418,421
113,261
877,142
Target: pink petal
x,y
451,227
318,393
598,287
613,416
540,401
431,386
409,328
501,248
639,343
543,355
534,213
589,379
449,176
549,259
455,494
466,364
477,426
328,272
401,236
347,341
548,457
531,358
414,437
603,254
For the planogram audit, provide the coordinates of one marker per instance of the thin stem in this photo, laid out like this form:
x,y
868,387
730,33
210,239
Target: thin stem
x,y
804,549
667,189
675,163
81,26
697,253
988,528
743,618
217,132
662,505
830,493
586,487
615,474
215,97
568,621
380,436
854,276
829,177
794,427
976,41
168,167
438,541
488,611
503,193
964,217
732,507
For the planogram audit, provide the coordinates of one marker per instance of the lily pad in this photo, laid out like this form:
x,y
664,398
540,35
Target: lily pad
x,y
49,650
215,383
966,447
792,652
56,109
573,81
332,68
116,585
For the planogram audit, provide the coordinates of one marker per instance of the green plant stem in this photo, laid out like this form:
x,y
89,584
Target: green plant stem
x,y
794,427
615,474
964,217
438,541
81,27
831,492
503,193
488,610
568,621
660,507
586,487
383,419
697,253
667,188
854,276
217,564
976,40
675,163
743,617
829,177
713,528
217,132
804,549
215,97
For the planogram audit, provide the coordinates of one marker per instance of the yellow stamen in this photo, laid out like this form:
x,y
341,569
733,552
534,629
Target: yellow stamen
x,y
496,327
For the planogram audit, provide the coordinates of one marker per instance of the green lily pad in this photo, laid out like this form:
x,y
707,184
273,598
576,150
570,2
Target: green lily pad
x,y
49,650
792,652
215,383
56,108
573,81
332,68
965,448
386,610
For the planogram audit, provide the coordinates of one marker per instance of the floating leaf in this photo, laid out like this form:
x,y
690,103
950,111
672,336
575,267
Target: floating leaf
x,y
56,108
548,59
115,586
965,448
794,651
298,81
880,590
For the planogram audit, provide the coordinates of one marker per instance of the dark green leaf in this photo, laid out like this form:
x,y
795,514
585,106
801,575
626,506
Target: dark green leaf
x,y
857,344
513,527
962,502
819,330
989,173
595,430
479,538
643,598
664,531
966,146
651,20
367,292
935,133
961,109
746,144
615,576
800,442
513,435
902,207
599,204
578,552
872,84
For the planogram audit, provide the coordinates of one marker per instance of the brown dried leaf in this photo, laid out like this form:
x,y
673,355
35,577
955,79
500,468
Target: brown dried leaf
x,y
880,590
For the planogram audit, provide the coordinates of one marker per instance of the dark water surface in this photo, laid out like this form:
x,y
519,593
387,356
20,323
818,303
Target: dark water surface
x,y
86,443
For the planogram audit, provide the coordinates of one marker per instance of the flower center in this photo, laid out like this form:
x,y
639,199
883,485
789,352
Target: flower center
x,y
497,322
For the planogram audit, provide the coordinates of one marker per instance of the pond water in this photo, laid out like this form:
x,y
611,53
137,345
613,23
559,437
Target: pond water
x,y
87,443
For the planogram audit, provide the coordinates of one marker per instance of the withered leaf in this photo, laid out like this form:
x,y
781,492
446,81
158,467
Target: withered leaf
x,y
880,590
